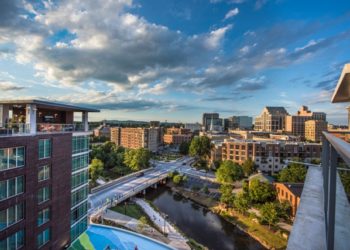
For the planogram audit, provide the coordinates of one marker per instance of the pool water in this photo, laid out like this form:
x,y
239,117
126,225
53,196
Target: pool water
x,y
98,237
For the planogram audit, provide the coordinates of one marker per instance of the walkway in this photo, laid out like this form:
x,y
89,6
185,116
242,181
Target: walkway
x,y
132,223
176,239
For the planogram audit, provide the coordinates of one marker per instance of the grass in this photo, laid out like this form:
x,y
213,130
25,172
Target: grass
x,y
194,245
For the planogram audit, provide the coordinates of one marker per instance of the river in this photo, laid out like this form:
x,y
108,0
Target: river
x,y
200,223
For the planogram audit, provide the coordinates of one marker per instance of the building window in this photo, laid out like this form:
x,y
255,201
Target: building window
x,y
11,158
11,187
13,242
80,144
78,213
43,194
79,195
11,216
80,178
44,173
78,229
80,161
43,237
44,148
43,216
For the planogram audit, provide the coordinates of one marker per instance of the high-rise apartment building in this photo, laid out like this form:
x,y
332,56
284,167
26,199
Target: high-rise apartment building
x,y
211,121
134,138
177,135
194,127
272,119
239,122
44,158
295,124
314,129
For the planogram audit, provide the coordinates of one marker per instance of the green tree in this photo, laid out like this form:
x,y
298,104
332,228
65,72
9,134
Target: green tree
x,y
184,148
229,172
95,169
261,192
200,147
345,179
241,203
206,189
248,167
269,214
137,159
284,210
177,179
293,173
227,196
142,223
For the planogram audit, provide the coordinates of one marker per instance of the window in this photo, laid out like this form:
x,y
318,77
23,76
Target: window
x,y
80,178
43,237
11,215
44,148
78,229
44,173
79,195
11,187
11,158
43,194
78,213
13,242
43,216
80,144
80,161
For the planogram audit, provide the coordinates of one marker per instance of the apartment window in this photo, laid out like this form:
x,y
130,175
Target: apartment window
x,y
78,213
11,158
43,194
13,242
79,195
80,178
44,148
43,237
78,229
43,216
44,173
11,187
80,144
11,216
80,161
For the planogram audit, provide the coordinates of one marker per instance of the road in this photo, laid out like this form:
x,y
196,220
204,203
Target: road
x,y
121,189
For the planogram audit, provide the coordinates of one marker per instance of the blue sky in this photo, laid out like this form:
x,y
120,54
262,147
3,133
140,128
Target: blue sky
x,y
175,59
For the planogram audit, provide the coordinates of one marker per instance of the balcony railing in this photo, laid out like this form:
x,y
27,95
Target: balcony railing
x,y
14,129
322,219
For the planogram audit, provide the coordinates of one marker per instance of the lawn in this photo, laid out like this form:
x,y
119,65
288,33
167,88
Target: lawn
x,y
132,210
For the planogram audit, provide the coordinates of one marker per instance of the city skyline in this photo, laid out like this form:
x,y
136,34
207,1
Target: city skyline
x,y
173,60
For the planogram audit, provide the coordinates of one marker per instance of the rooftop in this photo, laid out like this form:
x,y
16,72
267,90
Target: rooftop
x,y
342,90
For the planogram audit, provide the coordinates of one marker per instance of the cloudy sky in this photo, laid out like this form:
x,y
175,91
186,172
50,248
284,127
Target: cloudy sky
x,y
175,59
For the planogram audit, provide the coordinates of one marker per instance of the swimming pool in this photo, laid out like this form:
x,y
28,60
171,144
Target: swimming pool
x,y
99,237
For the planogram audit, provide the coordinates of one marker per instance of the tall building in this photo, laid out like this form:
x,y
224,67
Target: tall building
x,y
314,129
44,159
134,138
211,121
239,122
194,127
177,135
272,119
269,156
295,124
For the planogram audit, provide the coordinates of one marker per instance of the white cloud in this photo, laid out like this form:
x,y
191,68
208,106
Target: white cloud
x,y
215,37
309,44
9,86
232,13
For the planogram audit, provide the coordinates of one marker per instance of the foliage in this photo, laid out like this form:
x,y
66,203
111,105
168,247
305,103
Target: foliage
x,y
345,178
229,172
201,164
241,203
248,167
137,159
172,174
200,146
142,223
206,189
269,213
184,148
293,173
216,164
284,210
177,179
260,192
109,154
102,138
96,168
227,196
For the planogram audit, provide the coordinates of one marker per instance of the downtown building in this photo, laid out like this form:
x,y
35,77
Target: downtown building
x,y
44,158
177,136
271,119
239,123
134,138
269,156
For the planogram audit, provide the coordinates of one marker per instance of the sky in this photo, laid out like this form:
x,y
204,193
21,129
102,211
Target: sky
x,y
172,60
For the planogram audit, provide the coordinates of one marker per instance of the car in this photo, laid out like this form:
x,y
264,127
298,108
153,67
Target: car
x,y
140,174
203,171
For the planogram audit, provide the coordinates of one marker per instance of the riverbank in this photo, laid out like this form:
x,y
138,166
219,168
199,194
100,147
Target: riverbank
x,y
269,239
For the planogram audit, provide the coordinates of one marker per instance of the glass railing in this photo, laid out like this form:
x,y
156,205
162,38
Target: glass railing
x,y
55,127
7,129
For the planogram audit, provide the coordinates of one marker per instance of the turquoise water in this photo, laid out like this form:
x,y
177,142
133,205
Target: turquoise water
x,y
101,237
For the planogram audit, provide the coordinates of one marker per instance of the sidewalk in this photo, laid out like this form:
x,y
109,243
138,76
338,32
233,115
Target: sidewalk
x,y
132,223
176,239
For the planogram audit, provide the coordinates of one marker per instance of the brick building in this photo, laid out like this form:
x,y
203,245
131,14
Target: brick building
x,y
177,136
290,192
314,129
271,119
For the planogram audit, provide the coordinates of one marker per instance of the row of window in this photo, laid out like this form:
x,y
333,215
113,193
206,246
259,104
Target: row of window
x,y
11,158
13,242
80,144
80,178
43,237
80,161
79,195
11,215
11,187
78,213
78,229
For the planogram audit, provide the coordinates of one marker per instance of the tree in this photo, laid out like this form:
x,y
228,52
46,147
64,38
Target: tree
x,y
184,148
229,172
137,159
200,147
260,192
142,223
227,196
177,179
284,210
269,214
293,173
248,167
96,168
241,203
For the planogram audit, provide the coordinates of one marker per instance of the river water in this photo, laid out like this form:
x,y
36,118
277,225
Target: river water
x,y
201,224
